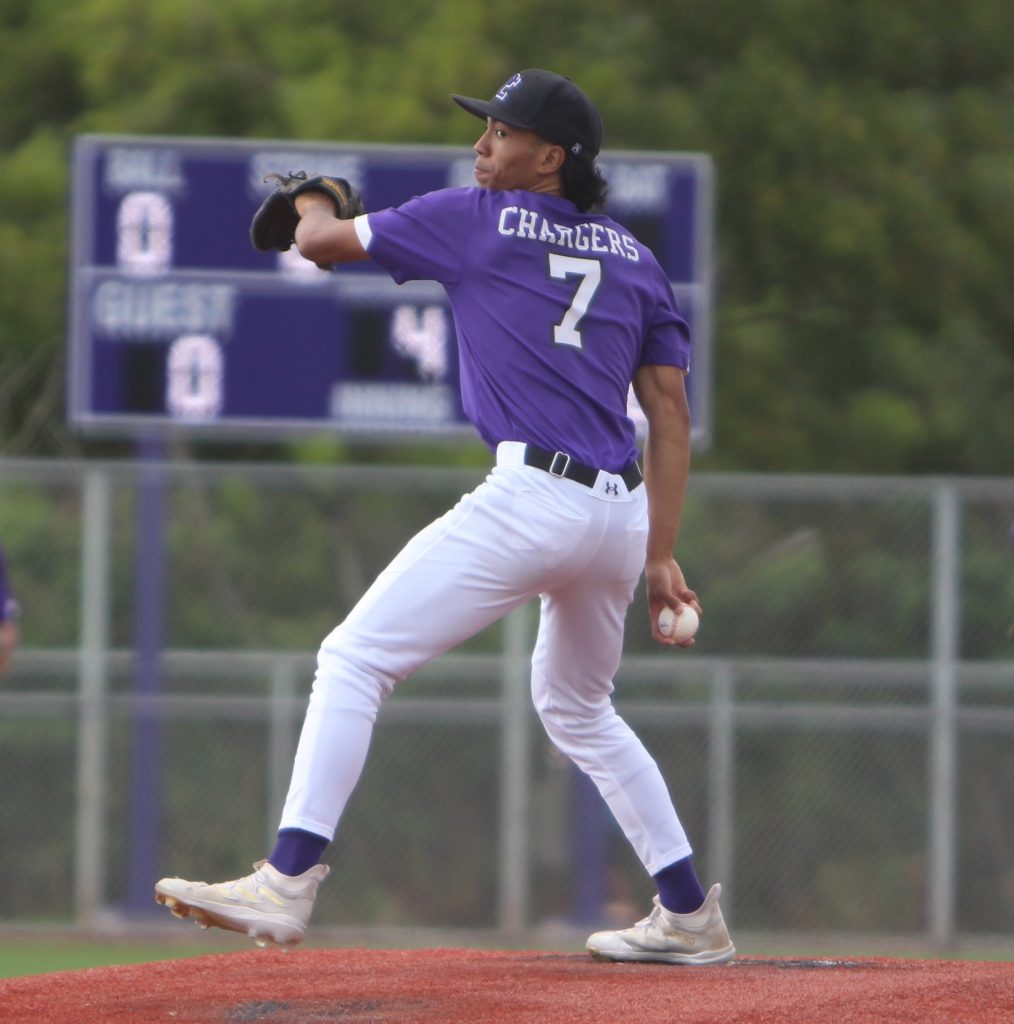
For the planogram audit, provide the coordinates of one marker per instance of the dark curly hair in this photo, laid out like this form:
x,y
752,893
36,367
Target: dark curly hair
x,y
583,184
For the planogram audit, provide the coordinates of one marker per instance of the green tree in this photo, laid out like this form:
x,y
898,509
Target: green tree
x,y
865,160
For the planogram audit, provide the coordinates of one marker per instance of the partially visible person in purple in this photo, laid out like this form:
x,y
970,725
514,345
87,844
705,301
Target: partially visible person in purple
x,y
558,310
9,612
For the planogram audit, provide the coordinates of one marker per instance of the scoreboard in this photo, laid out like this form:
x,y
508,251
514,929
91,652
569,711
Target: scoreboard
x,y
177,323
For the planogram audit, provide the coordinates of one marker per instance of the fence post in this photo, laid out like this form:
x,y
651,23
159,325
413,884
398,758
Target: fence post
x,y
145,813
282,725
515,774
722,783
90,856
946,599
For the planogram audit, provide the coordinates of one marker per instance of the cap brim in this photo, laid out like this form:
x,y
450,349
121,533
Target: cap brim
x,y
480,108
484,109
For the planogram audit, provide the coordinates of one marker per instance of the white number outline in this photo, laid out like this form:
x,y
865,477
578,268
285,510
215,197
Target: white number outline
x,y
195,378
420,332
590,271
144,234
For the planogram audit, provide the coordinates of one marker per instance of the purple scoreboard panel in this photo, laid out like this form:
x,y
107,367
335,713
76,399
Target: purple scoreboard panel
x,y
178,324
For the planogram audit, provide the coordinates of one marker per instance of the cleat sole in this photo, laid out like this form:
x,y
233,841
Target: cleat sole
x,y
264,929
176,908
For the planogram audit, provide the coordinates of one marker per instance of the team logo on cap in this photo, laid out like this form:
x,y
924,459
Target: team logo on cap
x,y
512,83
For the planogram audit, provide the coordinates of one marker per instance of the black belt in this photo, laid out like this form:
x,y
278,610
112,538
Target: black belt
x,y
561,464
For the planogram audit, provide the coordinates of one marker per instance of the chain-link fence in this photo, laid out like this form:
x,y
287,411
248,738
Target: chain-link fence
x,y
839,741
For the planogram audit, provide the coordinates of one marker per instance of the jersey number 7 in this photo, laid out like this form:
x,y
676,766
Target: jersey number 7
x,y
590,274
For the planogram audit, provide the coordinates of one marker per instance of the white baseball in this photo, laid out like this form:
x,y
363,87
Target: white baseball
x,y
680,627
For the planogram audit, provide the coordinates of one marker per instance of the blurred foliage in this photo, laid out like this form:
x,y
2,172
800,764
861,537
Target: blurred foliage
x,y
274,559
865,161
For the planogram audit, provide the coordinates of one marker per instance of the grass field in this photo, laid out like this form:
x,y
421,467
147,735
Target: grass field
x,y
39,956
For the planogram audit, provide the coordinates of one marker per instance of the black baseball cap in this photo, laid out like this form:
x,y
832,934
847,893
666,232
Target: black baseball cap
x,y
545,103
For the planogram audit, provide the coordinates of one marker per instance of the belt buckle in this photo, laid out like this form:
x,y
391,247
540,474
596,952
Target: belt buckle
x,y
566,464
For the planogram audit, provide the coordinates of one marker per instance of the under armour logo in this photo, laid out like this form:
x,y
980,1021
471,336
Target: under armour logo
x,y
612,488
513,82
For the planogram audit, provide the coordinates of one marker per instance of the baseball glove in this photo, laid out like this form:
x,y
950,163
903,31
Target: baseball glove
x,y
274,224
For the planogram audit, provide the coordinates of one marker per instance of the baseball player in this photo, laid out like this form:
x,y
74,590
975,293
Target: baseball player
x,y
557,309
8,618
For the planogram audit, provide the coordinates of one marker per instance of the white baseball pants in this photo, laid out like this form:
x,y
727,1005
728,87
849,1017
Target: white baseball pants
x,y
521,533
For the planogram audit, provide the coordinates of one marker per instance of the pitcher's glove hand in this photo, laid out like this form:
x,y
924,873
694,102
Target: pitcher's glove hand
x,y
274,224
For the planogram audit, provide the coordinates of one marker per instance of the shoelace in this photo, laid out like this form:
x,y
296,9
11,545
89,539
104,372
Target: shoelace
x,y
656,913
242,888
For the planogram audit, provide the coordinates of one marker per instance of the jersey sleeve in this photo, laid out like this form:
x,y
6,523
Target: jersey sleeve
x,y
423,239
667,336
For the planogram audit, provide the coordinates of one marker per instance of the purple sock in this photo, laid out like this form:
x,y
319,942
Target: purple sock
x,y
679,889
296,851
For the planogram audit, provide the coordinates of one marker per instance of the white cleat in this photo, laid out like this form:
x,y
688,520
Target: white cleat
x,y
267,906
697,938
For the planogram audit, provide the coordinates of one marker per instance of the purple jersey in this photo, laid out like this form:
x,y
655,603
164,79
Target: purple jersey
x,y
554,310
8,606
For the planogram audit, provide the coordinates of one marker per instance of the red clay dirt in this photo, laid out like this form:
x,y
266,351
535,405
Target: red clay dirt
x,y
447,986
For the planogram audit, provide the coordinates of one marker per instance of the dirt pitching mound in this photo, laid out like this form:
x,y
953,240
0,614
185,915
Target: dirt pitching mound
x,y
461,986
